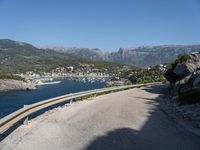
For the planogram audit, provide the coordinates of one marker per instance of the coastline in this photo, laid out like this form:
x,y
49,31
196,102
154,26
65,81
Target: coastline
x,y
31,83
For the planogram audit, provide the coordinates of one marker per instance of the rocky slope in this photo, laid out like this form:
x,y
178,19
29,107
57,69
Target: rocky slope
x,y
184,75
10,84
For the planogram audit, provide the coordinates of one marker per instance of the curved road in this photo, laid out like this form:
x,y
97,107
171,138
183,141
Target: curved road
x,y
126,120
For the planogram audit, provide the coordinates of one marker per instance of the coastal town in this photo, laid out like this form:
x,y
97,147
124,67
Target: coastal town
x,y
30,80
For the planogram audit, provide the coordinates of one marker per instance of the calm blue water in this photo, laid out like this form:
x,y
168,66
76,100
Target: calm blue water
x,y
13,100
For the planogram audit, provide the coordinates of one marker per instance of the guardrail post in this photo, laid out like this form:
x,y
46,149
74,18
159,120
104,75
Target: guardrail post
x,y
71,101
25,106
25,121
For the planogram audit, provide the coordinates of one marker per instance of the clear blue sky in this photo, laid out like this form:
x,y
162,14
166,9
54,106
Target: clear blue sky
x,y
106,24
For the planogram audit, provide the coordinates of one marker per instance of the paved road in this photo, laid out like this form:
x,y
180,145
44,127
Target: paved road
x,y
127,120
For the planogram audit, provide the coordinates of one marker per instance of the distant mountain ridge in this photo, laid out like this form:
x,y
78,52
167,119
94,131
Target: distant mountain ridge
x,y
141,56
12,52
87,53
21,57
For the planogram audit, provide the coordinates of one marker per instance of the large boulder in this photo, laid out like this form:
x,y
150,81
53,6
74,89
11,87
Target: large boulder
x,y
184,74
177,69
184,69
196,82
189,66
183,66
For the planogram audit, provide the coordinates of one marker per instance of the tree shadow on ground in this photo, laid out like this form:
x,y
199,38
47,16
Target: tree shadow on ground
x,y
158,133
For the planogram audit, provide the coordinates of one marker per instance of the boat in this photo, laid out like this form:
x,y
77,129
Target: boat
x,y
48,83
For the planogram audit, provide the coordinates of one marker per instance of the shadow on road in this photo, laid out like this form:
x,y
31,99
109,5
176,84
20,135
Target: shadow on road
x,y
158,133
119,139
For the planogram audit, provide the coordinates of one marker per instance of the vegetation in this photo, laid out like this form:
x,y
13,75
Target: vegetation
x,y
16,57
19,57
10,76
140,76
128,82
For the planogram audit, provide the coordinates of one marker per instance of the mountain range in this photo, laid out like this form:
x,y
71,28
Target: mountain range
x,y
21,57
140,56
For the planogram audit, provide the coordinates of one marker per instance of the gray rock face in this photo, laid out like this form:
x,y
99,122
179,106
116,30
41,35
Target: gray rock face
x,y
140,56
10,84
186,68
181,69
189,71
196,82
184,80
190,66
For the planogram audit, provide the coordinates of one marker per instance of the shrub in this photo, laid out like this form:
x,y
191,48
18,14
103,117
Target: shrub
x,y
10,76
128,82
148,79
139,81
161,78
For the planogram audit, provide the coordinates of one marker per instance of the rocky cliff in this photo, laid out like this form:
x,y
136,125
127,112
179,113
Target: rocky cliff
x,y
140,56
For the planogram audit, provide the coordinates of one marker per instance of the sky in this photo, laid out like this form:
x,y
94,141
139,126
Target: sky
x,y
104,24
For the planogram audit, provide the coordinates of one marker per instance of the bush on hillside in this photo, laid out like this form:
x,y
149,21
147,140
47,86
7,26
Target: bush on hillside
x,y
10,76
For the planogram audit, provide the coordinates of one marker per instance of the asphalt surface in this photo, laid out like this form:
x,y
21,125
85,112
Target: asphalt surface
x,y
126,120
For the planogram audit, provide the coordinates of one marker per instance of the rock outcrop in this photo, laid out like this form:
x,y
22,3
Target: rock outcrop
x,y
10,84
184,75
188,67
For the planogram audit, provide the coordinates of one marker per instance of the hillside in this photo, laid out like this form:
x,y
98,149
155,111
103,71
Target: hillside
x,y
21,57
93,54
140,56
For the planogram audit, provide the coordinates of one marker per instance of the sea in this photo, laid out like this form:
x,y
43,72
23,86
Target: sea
x,y
11,101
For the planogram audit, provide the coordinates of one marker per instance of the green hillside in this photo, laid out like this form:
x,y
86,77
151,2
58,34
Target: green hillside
x,y
19,57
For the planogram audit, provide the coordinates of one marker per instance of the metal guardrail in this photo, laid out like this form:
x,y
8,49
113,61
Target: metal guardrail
x,y
10,120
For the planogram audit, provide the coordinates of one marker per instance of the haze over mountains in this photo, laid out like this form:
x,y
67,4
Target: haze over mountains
x,y
140,56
